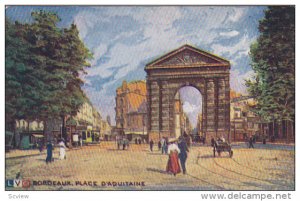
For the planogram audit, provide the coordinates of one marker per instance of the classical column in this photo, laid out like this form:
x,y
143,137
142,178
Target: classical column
x,y
210,109
148,85
204,108
165,110
227,106
221,108
154,106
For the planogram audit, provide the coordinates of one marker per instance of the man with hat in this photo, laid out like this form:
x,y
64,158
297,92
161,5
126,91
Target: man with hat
x,y
182,145
49,152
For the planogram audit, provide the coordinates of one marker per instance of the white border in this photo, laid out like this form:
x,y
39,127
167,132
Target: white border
x,y
121,195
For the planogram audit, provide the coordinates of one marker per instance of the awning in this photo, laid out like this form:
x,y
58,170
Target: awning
x,y
37,136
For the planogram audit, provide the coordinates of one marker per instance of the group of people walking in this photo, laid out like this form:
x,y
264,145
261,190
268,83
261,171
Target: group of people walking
x,y
50,148
177,149
163,145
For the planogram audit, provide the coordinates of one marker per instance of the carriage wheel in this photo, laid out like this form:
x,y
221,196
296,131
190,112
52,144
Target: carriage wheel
x,y
230,153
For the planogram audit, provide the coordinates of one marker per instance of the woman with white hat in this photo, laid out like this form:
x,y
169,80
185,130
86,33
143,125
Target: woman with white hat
x,y
173,163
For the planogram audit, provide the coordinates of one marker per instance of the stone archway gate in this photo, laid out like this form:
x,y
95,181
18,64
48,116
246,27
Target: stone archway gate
x,y
188,66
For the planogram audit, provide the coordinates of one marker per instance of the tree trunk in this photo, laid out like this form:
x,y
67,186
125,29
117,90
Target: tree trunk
x,y
11,126
63,128
287,132
273,127
49,126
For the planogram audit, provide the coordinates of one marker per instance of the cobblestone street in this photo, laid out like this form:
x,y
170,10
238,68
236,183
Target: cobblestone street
x,y
263,168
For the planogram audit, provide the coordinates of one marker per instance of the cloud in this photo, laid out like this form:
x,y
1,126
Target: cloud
x,y
237,80
242,47
192,112
190,108
98,52
123,39
229,34
237,14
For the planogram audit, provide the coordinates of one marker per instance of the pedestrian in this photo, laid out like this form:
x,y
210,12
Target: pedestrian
x,y
151,145
222,139
264,139
159,145
166,145
49,152
41,146
173,163
80,141
62,149
140,141
204,140
251,142
163,141
182,145
124,144
93,137
212,142
136,141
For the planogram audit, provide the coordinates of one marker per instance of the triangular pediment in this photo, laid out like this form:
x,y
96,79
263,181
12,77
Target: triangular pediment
x,y
188,56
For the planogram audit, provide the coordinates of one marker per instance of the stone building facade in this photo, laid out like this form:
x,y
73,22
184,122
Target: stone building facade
x,y
131,109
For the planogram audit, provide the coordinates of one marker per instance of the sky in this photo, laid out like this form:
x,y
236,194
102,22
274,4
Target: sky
x,y
124,38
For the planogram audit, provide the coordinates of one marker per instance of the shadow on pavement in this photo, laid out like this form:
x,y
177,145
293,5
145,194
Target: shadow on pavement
x,y
157,170
151,153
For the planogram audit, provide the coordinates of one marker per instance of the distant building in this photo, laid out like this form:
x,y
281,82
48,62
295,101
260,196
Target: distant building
x,y
106,129
178,116
87,121
23,125
85,115
131,110
199,125
244,122
28,133
182,122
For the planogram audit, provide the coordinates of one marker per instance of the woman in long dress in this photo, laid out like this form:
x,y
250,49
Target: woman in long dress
x,y
173,163
62,150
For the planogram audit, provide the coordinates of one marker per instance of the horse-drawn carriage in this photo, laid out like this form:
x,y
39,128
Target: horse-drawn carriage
x,y
220,146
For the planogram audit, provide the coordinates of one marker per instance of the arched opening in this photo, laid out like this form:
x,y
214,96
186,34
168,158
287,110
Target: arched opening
x,y
188,111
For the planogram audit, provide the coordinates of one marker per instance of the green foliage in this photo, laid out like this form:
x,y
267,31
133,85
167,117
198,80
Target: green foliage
x,y
43,64
273,61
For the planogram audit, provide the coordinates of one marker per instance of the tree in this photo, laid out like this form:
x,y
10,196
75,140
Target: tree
x,y
273,61
22,87
50,61
63,57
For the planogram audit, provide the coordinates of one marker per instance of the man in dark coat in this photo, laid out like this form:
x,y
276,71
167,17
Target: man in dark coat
x,y
49,152
182,145
251,142
151,145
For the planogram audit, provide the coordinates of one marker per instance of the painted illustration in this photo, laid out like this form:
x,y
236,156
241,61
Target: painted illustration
x,y
150,98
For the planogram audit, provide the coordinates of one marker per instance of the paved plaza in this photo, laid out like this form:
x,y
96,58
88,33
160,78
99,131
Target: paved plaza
x,y
103,167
